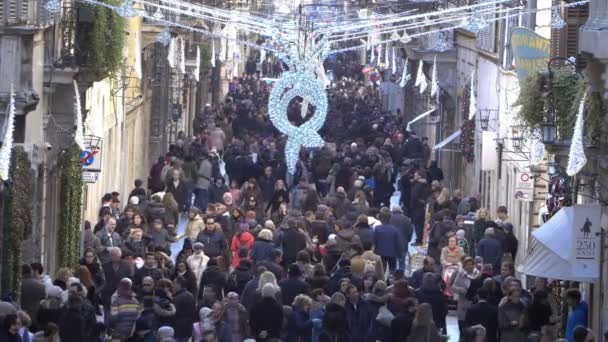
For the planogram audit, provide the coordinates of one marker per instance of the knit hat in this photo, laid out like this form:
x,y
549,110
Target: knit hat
x,y
165,332
54,291
134,200
269,290
198,246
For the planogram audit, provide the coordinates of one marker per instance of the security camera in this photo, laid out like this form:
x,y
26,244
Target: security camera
x,y
48,146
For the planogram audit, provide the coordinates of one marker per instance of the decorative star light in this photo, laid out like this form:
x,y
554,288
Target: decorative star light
x,y
434,84
476,24
158,15
164,37
421,78
53,7
126,10
556,19
305,85
79,134
7,143
576,157
405,76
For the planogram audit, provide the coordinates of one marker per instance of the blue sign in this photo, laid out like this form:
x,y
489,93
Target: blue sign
x,y
87,157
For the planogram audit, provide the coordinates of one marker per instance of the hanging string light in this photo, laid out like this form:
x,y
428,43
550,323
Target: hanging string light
x,y
476,24
473,97
164,37
576,157
7,143
53,7
394,62
434,84
182,56
556,19
386,56
441,43
126,10
372,57
421,78
405,75
213,52
197,67
537,150
171,52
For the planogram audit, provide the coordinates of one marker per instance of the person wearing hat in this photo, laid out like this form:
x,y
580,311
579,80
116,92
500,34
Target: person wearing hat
x,y
125,310
293,285
198,262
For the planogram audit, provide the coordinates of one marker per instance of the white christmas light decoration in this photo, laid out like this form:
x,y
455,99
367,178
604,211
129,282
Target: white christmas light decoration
x,y
394,62
576,157
79,134
126,10
7,143
473,97
197,68
405,38
53,7
379,56
537,150
158,15
371,59
164,37
171,52
213,52
434,84
405,76
386,56
421,78
556,19
441,44
476,24
182,56
305,85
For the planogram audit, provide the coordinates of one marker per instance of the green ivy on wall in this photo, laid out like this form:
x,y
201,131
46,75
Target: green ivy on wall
x,y
71,207
107,40
17,219
566,91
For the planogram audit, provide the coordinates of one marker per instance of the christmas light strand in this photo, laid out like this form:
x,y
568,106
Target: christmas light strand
x,y
79,133
7,143
576,157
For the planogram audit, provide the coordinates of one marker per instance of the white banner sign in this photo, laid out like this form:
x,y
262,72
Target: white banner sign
x,y
586,243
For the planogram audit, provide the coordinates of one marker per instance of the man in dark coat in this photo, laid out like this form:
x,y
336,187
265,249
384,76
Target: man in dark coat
x,y
430,293
293,242
32,292
490,249
359,315
293,285
155,181
388,242
114,270
178,188
419,195
213,240
185,310
485,314
404,227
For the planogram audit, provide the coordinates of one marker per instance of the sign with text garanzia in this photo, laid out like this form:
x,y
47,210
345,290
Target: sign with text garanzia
x,y
531,52
586,225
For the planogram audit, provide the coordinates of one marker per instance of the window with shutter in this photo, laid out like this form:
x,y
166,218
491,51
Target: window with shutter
x,y
14,12
564,42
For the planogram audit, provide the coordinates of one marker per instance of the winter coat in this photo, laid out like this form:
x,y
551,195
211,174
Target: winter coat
x,y
293,242
291,287
49,311
365,233
241,240
194,227
460,286
235,318
299,326
266,314
485,314
136,248
335,324
112,279
213,277
197,264
507,314
205,173
437,301
345,238
77,321
360,318
154,211
180,192
112,240
32,292
214,242
185,313
239,278
388,241
401,326
403,225
490,249
262,249
124,313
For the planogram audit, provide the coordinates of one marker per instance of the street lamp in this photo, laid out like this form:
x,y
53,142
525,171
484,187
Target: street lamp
x,y
517,137
548,129
484,119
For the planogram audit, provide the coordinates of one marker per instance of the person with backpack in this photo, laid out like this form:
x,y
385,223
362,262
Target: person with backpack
x,y
242,244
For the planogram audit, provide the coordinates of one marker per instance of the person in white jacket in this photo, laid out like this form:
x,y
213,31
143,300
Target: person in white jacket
x,y
198,262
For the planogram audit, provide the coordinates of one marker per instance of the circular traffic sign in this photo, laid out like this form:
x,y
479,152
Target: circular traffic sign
x,y
87,158
524,177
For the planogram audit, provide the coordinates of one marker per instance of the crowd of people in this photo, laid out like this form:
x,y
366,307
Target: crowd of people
x,y
319,255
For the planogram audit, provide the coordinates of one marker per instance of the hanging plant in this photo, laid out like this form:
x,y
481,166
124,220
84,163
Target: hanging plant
x,y
467,140
532,112
71,200
107,39
566,92
17,219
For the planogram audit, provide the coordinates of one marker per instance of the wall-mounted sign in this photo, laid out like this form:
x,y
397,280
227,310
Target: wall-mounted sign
x,y
524,186
91,156
531,52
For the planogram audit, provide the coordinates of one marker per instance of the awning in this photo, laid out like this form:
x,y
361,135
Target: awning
x,y
448,140
420,117
560,248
